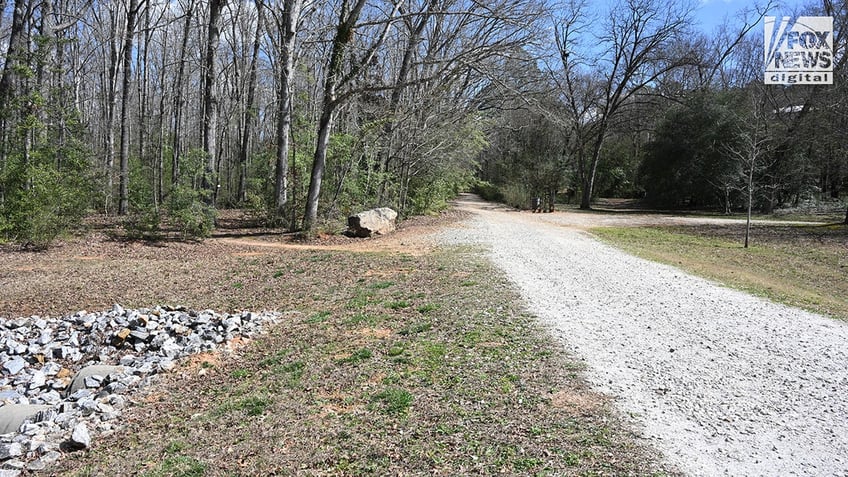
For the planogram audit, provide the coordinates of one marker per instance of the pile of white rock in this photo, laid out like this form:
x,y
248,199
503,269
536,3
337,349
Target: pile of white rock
x,y
62,378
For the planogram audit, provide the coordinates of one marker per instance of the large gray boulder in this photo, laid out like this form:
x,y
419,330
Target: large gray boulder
x,y
93,374
13,415
378,221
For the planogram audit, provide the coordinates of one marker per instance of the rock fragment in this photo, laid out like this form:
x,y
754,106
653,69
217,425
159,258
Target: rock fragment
x,y
80,438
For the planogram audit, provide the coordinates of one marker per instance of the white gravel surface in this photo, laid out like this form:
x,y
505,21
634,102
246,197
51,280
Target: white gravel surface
x,y
722,383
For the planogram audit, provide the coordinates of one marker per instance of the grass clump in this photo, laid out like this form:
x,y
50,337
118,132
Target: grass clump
x,y
357,356
393,401
178,466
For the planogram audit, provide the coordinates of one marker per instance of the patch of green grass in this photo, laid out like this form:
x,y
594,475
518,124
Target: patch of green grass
x,y
434,353
467,283
393,401
797,266
178,466
416,328
507,383
571,459
279,273
424,309
523,464
319,317
471,338
396,350
357,356
381,285
275,360
253,406
293,372
359,301
175,447
398,305
363,319
238,285
240,374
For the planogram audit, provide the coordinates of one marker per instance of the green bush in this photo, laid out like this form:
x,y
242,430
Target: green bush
x,y
190,214
41,203
144,223
488,191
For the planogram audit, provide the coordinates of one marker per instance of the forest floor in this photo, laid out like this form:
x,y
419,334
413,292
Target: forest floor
x,y
398,356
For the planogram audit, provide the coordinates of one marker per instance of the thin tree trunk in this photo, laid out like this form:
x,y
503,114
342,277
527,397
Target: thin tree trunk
x,y
415,38
343,36
210,102
250,110
290,20
179,102
3,4
143,78
7,80
111,105
750,202
44,78
12,54
588,182
160,155
123,204
319,163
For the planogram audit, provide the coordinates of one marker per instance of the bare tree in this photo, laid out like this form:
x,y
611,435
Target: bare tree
x,y
210,100
639,39
337,78
249,116
753,142
129,33
9,80
179,98
287,22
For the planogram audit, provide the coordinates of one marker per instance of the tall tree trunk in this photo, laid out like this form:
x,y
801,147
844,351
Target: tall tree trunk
x,y
750,198
143,87
13,53
590,170
415,38
8,81
111,105
47,63
319,163
123,204
250,109
3,4
179,101
343,36
160,154
290,20
210,101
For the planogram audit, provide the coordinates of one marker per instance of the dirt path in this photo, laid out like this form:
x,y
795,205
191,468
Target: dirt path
x,y
721,382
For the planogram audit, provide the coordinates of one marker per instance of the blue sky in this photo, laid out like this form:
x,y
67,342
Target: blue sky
x,y
710,13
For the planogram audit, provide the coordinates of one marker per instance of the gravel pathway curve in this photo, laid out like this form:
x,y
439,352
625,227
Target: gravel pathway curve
x,y
721,382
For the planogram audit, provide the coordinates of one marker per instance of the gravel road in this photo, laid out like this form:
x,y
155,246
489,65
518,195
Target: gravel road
x,y
722,383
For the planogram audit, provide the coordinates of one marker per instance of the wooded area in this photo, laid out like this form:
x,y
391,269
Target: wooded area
x,y
305,112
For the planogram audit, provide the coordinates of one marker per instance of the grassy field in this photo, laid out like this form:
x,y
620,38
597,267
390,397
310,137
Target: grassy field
x,y
804,266
384,364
